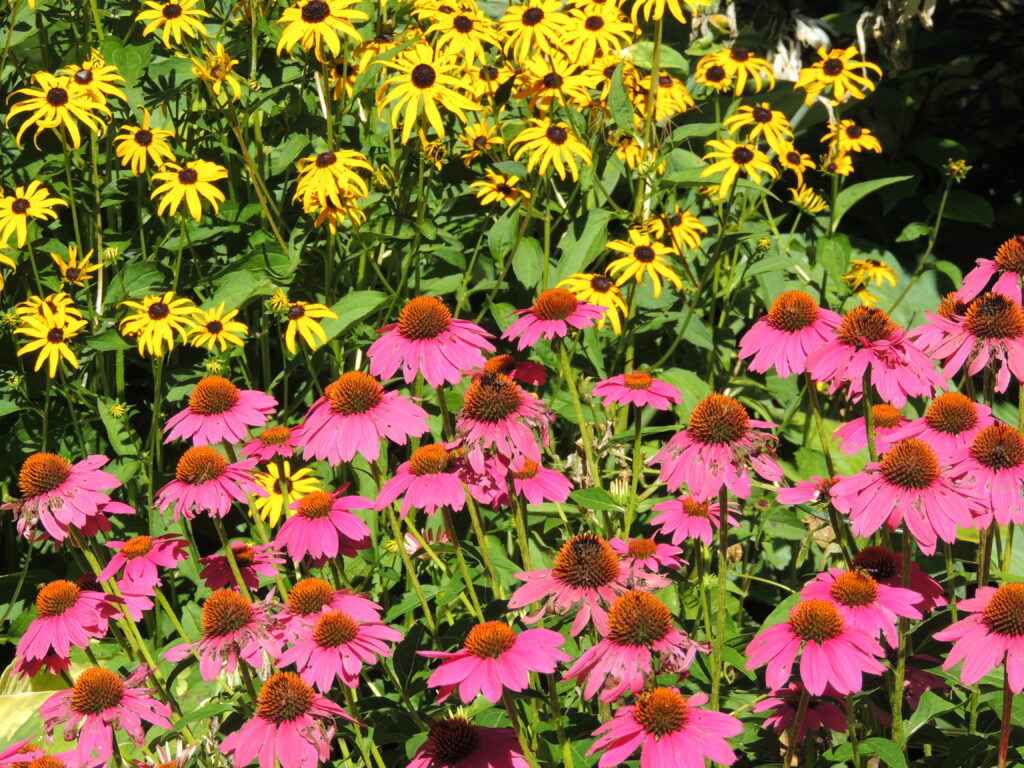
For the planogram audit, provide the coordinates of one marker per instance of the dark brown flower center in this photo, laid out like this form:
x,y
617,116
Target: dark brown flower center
x,y
309,596
854,131
334,629
57,97
296,311
172,11
244,554
315,11
601,283
951,413
453,739
854,589
637,380
552,80
998,447
557,135
72,274
715,74
490,639
285,696
533,16
137,547
353,393
315,505
158,310
644,254
862,326
55,598
816,621
739,53
212,396
1004,613
884,416
423,76
430,459
762,115
586,561
593,23
214,327
96,690
20,205
224,612
325,159
500,364
462,24
1010,255
832,67
83,76
911,465
638,619
188,176
742,155
42,472
424,317
555,304
505,189
793,311
492,397
877,562
641,549
661,712
200,465
718,419
794,158
994,316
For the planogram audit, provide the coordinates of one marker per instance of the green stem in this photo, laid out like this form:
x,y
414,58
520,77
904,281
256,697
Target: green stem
x,y
638,464
513,716
723,574
396,531
230,553
588,439
932,237
902,652
481,540
1004,731
869,415
467,577
851,727
519,517
796,727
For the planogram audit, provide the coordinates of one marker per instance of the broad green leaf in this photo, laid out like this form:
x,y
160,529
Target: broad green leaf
x,y
781,612
351,309
912,231
929,707
968,207
886,749
502,234
619,104
582,241
528,262
854,193
597,499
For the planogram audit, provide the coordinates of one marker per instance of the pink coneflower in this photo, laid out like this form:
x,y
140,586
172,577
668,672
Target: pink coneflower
x,y
868,340
323,527
336,646
993,630
687,518
311,597
233,628
354,415
455,743
535,483
428,340
134,605
794,326
886,420
290,729
637,388
644,559
430,536
908,485
716,449
816,490
834,653
640,629
863,602
24,751
585,576
949,425
553,314
670,730
272,442
886,567
67,616
927,335
519,370
218,411
497,413
140,557
59,495
1007,267
204,481
994,464
820,714
101,702
253,560
991,333
430,479
495,658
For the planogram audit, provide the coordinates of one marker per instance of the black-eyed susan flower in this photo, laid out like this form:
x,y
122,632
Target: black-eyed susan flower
x,y
189,183
283,487
6,261
216,69
712,75
685,229
865,271
341,77
670,99
603,69
176,20
336,215
482,83
627,148
463,34
303,319
329,177
652,10
595,29
76,271
739,65
156,320
600,290
479,137
32,201
98,78
851,136
553,144
49,334
544,80
837,72
733,157
434,151
536,26
792,159
838,163
60,305
764,122
314,24
807,200
58,102
643,256
215,326
497,188
138,145
419,87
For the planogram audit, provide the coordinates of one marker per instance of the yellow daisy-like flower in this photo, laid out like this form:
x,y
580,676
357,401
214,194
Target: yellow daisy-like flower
x,y
763,122
644,256
684,229
837,69
536,26
303,320
791,158
479,138
283,488
851,136
483,83
463,33
420,85
216,70
548,79
278,301
498,188
98,78
191,183
341,76
604,68
316,23
32,201
75,271
174,20
50,334
738,64
336,215
596,29
60,305
671,98
840,164
652,10
156,320
864,271
601,290
58,102
327,178
215,326
712,75
552,144
138,145
733,157
6,261
627,148
807,200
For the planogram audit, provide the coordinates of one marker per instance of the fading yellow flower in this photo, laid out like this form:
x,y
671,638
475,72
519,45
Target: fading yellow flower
x,y
864,271
189,183
851,136
216,71
284,487
837,71
807,200
644,256
601,290
156,320
58,102
336,215
499,188
215,326
75,271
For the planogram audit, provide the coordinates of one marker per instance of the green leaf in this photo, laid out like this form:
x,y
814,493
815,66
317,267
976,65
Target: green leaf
x,y
7,406
929,707
885,749
619,104
912,231
134,282
351,309
968,207
107,341
582,241
528,262
854,193
781,612
833,254
596,499
502,234
668,58
950,270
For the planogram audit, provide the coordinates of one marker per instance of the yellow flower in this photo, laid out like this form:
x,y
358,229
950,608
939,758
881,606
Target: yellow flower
x,y
671,98
434,151
498,187
601,290
303,317
6,261
652,10
840,164
836,70
96,77
174,19
74,270
713,75
535,26
139,144
420,85
335,215
283,488
484,82
807,200
190,183
596,28
60,305
315,23
58,102
763,121
740,64
684,228
216,70
156,320
547,79
732,158
644,256
215,326
864,271
479,138
851,136
463,33
50,334
553,144
794,160
341,76
328,178
278,301
33,200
